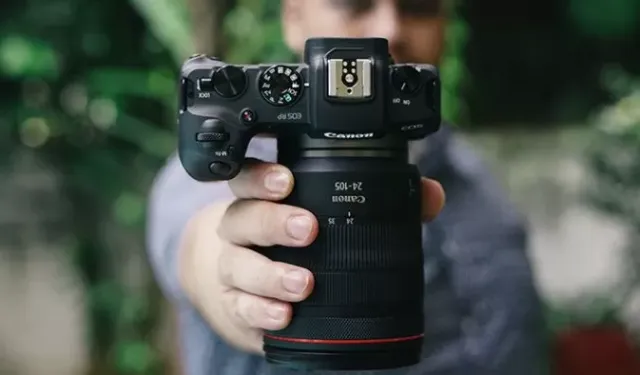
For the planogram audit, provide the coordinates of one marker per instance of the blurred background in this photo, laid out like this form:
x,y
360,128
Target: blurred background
x,y
547,90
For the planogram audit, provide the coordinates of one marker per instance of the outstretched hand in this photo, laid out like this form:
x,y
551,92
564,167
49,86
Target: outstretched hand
x,y
239,291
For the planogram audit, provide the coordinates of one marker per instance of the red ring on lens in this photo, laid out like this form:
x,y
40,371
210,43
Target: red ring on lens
x,y
345,342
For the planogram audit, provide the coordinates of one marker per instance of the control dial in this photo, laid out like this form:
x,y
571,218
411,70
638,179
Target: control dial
x,y
280,85
405,79
229,81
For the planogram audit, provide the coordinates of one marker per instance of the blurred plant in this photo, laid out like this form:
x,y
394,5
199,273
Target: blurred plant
x,y
614,160
96,101
168,21
606,20
254,33
453,69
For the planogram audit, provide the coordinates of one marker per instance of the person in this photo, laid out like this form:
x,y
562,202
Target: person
x,y
482,310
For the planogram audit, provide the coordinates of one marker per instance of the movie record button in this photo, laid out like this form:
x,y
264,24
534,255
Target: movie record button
x,y
248,116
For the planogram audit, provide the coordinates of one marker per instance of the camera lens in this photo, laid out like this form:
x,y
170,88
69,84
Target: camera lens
x,y
366,310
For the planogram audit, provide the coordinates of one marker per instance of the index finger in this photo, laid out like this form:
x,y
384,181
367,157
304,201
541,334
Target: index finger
x,y
262,180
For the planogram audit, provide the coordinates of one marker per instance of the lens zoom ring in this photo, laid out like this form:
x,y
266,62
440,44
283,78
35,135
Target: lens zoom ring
x,y
357,247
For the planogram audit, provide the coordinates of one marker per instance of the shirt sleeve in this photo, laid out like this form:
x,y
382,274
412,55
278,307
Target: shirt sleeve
x,y
483,250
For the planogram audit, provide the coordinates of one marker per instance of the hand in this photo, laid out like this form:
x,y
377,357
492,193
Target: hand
x,y
238,291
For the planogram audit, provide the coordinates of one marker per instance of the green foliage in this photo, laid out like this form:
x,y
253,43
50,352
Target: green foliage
x,y
24,57
614,157
97,101
605,19
453,69
168,20
254,32
614,161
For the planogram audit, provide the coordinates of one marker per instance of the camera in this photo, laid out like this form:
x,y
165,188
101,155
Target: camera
x,y
343,120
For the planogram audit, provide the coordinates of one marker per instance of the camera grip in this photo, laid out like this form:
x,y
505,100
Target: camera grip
x,y
214,149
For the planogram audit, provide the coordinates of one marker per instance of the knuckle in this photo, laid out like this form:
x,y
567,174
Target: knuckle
x,y
271,285
236,184
228,215
221,227
242,307
250,309
248,183
235,207
225,266
266,280
268,223
233,218
244,174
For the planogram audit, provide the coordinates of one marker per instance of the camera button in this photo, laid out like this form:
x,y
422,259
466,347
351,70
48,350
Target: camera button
x,y
219,168
248,116
205,85
405,79
229,81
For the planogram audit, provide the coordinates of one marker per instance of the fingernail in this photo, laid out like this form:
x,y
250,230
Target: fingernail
x,y
295,281
277,182
276,312
299,227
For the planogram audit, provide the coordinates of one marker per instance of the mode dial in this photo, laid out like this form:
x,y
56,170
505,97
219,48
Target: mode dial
x,y
405,79
229,81
280,85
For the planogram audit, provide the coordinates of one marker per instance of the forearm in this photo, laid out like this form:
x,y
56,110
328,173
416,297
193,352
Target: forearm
x,y
174,204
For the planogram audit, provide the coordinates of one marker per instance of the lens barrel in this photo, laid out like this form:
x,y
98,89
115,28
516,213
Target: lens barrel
x,y
366,309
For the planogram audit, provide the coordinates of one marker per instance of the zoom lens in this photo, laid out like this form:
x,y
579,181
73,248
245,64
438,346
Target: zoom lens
x,y
366,309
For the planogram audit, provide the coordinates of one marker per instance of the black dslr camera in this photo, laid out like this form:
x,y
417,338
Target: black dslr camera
x,y
342,120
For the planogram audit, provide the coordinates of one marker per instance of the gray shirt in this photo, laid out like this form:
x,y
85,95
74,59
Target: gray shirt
x,y
482,312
